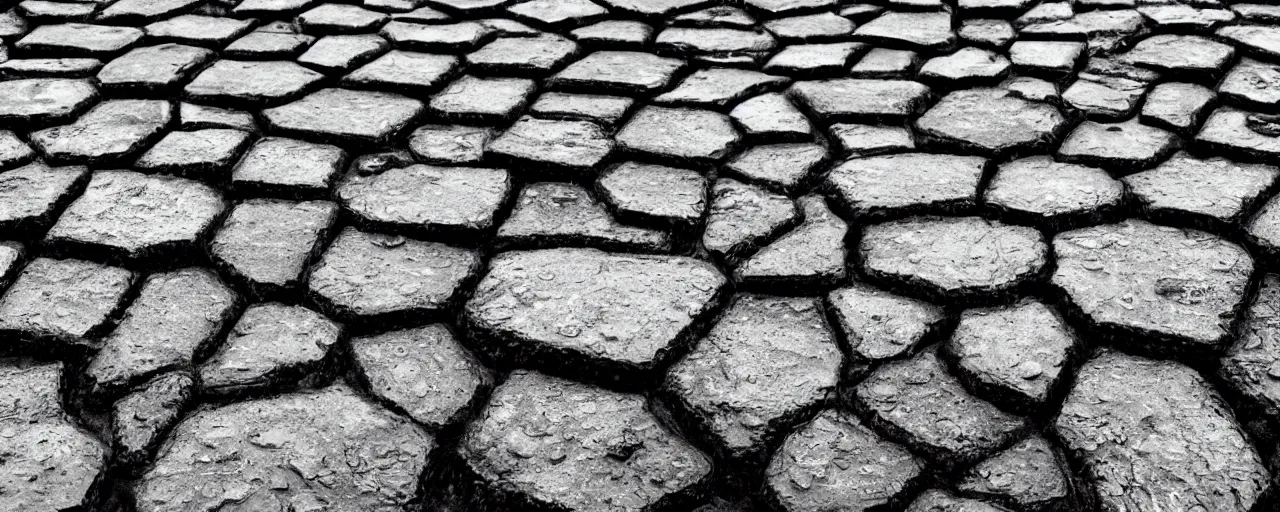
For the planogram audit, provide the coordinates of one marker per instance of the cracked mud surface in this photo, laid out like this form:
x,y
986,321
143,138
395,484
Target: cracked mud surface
x,y
639,255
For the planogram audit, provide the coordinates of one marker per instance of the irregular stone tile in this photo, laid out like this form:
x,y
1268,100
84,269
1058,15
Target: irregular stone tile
x,y
1033,89
855,99
811,255
615,34
32,196
558,468
266,244
205,155
918,403
251,83
271,345
1186,18
1099,66
1248,367
49,68
1263,230
1050,59
43,101
13,151
953,258
967,66
1153,439
374,278
62,303
679,134
810,27
886,63
1213,193
928,31
1252,85
111,130
484,100
441,144
617,72
264,45
814,60
141,421
775,8
714,41
535,56
1176,106
451,37
782,167
859,140
328,18
1181,55
558,13
551,214
605,111
11,256
51,463
202,117
1258,13
1106,30
744,218
288,168
1053,195
655,8
716,16
338,53
1105,98
1232,131
600,316
400,71
1030,475
78,40
464,199
153,68
369,458
576,147
905,183
136,12
767,365
1262,41
198,30
771,116
719,87
271,8
654,194
935,500
130,216
991,121
825,463
1120,147
1163,290
424,372
989,33
1014,356
344,115
879,325
470,7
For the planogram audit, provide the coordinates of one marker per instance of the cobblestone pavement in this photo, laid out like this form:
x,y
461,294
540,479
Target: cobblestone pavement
x,y
639,255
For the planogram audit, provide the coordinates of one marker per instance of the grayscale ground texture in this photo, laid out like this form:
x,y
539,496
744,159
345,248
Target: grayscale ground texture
x,y
639,255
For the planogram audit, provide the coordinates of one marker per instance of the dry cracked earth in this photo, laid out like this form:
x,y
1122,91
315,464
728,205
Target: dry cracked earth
x,y
639,255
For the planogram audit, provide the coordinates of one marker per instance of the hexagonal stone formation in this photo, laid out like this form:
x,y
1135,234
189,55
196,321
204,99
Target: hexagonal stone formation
x,y
814,60
967,66
747,45
251,84
1048,59
1185,18
153,68
837,462
451,37
176,318
1033,89
953,258
768,364
110,131
13,151
603,110
33,195
38,102
859,140
878,325
78,40
574,147
917,402
266,244
1014,356
929,31
482,100
617,72
558,13
141,421
719,88
264,44
335,54
136,217
991,121
11,254
339,19
1053,195
771,116
679,134
990,33
1228,130
614,35
366,458
424,372
1105,98
655,8
861,100
602,316
535,56
50,462
401,71
743,218
1178,107
810,256
1163,290
288,168
1181,55
142,11
464,200
202,117
782,167
345,116
1249,366
1119,147
272,345
1251,85
1154,435
825,26
892,185
205,155
886,63
57,304
199,30
1213,193
643,193
934,500
1106,30
549,214
381,279
1030,475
